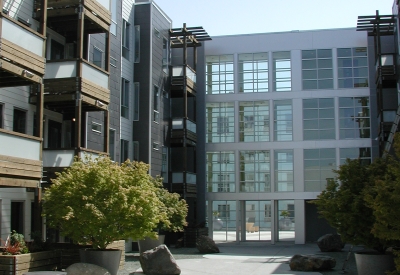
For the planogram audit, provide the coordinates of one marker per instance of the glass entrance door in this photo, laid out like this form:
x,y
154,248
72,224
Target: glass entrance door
x,y
258,220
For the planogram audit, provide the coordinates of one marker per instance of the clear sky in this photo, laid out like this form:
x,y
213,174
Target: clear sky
x,y
225,17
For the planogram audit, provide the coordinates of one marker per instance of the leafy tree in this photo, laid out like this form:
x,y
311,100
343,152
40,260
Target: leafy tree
x,y
98,201
343,203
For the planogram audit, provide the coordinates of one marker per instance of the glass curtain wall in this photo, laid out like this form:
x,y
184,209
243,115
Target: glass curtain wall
x,y
255,174
286,216
253,73
219,74
254,121
220,121
224,220
220,171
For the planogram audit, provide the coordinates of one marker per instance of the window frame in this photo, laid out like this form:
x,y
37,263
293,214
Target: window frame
x,y
25,122
125,98
125,38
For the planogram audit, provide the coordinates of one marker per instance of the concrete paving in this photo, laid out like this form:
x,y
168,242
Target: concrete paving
x,y
246,258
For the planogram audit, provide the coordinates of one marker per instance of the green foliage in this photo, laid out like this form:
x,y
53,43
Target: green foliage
x,y
99,201
344,207
16,245
285,213
176,211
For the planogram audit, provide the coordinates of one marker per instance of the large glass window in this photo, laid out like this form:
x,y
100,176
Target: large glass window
x,y
352,67
253,72
219,74
97,57
113,27
283,120
255,174
136,101
354,117
284,170
125,39
221,171
125,98
165,55
254,121
282,72
124,150
363,154
137,44
220,121
19,121
156,103
317,69
318,168
318,118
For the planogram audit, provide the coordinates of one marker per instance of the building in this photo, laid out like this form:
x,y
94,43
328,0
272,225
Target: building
x,y
281,110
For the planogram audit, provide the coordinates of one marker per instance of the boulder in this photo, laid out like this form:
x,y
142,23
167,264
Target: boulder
x,y
87,269
330,243
159,261
311,263
206,245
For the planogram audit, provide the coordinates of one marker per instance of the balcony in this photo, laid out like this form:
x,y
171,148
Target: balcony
x,y
179,186
61,83
177,81
20,164
178,131
55,160
385,71
21,54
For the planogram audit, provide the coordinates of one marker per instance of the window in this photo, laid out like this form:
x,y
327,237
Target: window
x,y
125,39
56,50
352,67
124,150
156,33
96,127
125,98
254,121
284,170
136,101
221,171
253,73
255,171
113,61
164,164
1,115
317,69
354,117
282,72
318,118
113,27
363,154
220,122
111,144
156,146
156,103
136,150
97,57
224,211
283,120
137,44
165,56
19,121
219,74
318,168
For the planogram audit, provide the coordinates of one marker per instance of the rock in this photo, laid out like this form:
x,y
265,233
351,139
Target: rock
x,y
330,243
87,269
159,261
206,245
311,263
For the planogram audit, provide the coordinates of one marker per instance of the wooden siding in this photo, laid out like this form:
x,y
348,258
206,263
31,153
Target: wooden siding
x,y
18,55
177,136
17,70
19,172
71,85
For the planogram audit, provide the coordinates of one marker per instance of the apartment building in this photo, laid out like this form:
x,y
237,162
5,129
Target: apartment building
x,y
280,111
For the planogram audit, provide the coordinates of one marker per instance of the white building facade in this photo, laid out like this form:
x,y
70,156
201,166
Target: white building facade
x,y
281,110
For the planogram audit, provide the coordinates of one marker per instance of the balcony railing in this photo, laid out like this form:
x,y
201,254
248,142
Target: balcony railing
x,y
177,71
19,145
22,46
64,157
177,124
62,74
178,177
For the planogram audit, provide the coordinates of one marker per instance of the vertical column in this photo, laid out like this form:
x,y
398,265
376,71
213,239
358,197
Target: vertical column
x,y
299,222
107,50
184,110
78,105
43,20
275,221
106,131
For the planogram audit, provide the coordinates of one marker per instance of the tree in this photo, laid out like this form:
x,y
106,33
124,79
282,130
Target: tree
x,y
98,201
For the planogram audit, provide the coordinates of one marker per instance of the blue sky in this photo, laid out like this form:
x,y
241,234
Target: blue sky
x,y
225,17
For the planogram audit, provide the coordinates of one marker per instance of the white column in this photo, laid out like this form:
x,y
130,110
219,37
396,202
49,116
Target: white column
x,y
300,224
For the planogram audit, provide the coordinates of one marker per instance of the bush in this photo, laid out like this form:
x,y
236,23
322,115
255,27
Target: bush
x,y
15,245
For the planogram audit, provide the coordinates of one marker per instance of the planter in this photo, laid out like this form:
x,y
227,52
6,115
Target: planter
x,y
37,261
109,258
373,263
217,224
149,243
285,224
